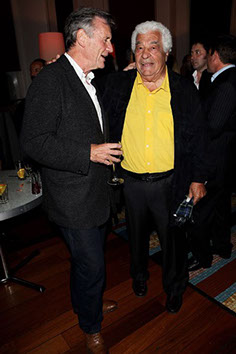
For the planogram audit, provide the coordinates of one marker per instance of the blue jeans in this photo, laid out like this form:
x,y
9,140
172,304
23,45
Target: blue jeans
x,y
87,275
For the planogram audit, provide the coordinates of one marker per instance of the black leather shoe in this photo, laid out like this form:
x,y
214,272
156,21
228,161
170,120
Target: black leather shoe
x,y
194,264
173,303
226,254
140,287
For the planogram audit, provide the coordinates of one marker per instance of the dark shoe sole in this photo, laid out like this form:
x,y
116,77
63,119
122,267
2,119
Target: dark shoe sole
x,y
174,310
224,255
140,295
199,267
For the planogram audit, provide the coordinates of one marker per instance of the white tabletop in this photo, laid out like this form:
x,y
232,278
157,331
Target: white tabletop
x,y
20,195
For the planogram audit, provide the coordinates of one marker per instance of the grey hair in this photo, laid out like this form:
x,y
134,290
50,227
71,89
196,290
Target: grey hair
x,y
148,26
83,18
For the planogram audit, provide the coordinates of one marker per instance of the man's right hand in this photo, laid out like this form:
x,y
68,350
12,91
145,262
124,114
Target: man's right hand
x,y
106,154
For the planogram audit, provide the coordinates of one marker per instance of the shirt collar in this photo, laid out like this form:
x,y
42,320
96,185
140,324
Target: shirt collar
x,y
214,76
88,78
195,79
164,86
194,74
139,79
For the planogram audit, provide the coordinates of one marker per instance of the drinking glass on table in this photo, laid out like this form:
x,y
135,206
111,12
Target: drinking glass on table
x,y
29,170
36,183
20,170
3,192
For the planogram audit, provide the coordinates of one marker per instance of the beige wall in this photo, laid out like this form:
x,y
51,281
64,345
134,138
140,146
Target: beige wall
x,y
101,4
30,18
233,18
34,16
175,15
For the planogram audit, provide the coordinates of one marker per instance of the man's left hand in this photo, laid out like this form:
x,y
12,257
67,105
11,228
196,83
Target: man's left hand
x,y
197,191
53,59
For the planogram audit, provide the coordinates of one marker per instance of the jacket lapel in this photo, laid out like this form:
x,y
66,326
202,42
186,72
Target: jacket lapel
x,y
104,120
79,91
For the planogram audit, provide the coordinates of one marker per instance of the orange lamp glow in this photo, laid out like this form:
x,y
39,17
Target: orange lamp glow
x,y
51,44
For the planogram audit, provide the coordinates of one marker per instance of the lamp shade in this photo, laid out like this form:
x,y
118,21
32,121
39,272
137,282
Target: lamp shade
x,y
51,44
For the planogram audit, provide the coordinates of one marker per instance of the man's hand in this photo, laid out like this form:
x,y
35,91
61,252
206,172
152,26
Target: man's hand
x,y
104,153
197,191
130,66
53,59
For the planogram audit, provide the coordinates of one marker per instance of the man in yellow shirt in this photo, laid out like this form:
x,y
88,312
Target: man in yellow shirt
x,y
157,115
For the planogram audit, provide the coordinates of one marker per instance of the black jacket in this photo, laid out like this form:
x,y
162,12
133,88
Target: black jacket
x,y
220,107
189,125
205,84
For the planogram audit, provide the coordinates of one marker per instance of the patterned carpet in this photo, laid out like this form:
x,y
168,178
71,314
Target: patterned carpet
x,y
218,282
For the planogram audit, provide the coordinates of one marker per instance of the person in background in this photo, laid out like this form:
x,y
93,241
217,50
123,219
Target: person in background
x,y
65,131
211,233
201,77
36,66
186,68
157,115
172,63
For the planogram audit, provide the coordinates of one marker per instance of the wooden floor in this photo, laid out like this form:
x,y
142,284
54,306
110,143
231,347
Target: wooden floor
x,y
33,322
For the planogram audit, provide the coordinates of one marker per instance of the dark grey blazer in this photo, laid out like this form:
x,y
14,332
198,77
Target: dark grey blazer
x,y
60,123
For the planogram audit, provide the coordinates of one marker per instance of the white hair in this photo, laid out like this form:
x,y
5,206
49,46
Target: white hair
x,y
148,26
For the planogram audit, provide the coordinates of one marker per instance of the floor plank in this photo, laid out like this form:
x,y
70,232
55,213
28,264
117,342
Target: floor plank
x,y
33,322
56,345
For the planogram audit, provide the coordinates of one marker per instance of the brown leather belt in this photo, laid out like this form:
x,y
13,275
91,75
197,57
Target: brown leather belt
x,y
149,177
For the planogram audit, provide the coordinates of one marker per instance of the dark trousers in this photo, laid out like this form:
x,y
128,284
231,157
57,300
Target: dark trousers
x,y
87,275
212,216
150,202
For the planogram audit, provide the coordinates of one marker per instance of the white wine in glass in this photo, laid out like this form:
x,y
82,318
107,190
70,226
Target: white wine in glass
x,y
115,180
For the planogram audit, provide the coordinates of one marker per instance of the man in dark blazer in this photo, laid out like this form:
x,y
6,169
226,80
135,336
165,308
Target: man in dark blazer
x,y
155,192
201,77
213,213
64,130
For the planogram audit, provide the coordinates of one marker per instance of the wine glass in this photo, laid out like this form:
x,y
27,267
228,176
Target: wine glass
x,y
115,180
28,170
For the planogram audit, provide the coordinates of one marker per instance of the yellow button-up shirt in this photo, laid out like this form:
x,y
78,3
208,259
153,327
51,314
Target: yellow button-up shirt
x,y
148,132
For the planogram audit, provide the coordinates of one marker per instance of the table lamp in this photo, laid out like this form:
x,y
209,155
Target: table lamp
x,y
50,44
